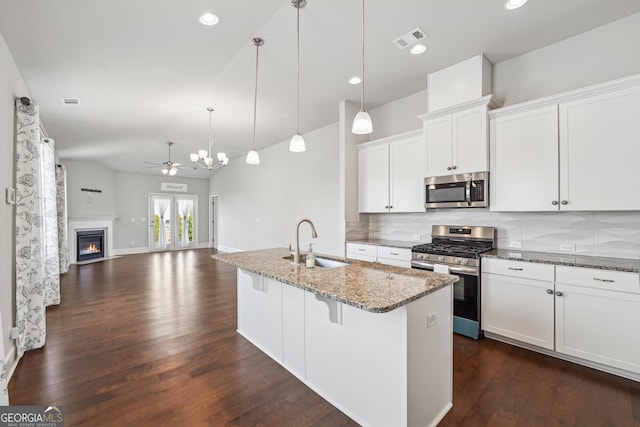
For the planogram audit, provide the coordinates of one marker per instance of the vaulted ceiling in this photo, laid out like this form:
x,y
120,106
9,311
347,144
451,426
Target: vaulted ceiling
x,y
145,71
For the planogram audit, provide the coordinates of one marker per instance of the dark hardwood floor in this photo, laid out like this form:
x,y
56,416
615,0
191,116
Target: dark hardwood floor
x,y
150,340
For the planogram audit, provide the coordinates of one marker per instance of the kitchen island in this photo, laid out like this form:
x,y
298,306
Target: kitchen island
x,y
374,340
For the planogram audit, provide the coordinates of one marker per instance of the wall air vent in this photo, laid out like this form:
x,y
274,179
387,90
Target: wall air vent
x,y
71,102
413,36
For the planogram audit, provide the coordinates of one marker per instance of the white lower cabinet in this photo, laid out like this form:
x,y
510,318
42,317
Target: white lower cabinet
x,y
595,321
587,314
399,257
293,357
260,312
521,309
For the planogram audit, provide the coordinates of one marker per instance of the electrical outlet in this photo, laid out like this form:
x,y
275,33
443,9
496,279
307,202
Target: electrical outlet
x,y
416,237
432,320
516,244
568,247
376,234
133,219
133,242
11,196
515,255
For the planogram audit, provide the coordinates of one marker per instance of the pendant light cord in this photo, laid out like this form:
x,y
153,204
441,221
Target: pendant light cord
x,y
255,97
210,135
362,65
298,69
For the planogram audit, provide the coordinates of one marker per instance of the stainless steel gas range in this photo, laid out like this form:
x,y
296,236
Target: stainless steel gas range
x,y
456,249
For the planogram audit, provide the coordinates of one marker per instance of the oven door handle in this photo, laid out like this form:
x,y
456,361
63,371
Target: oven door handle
x,y
454,270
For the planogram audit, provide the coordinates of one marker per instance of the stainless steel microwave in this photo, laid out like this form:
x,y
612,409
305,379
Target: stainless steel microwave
x,y
466,190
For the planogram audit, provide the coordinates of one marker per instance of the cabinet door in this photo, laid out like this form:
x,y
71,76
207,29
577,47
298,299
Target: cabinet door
x,y
438,135
406,178
260,312
599,152
470,141
521,309
598,325
373,178
524,161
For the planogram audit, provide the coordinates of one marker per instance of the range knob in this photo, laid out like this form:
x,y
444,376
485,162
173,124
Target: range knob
x,y
421,256
457,261
464,261
440,258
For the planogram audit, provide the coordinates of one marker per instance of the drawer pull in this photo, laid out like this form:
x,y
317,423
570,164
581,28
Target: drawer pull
x,y
361,249
604,280
394,253
515,269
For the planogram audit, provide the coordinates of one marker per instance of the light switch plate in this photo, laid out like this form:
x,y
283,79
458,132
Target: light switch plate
x,y
516,244
568,247
11,196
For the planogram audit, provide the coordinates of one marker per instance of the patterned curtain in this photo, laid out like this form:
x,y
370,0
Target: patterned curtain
x,y
161,207
4,393
61,205
36,233
185,206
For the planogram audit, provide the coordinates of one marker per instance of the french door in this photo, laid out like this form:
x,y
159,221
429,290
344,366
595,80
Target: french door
x,y
172,222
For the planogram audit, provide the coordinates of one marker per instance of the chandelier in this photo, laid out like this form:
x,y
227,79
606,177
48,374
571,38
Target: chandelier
x,y
204,159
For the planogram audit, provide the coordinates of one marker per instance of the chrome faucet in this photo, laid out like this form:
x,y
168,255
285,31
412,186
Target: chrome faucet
x,y
296,255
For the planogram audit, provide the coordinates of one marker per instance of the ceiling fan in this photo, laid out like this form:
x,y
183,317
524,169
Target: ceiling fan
x,y
167,168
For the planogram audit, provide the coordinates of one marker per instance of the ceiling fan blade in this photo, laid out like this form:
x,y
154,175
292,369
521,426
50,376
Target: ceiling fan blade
x,y
176,164
154,164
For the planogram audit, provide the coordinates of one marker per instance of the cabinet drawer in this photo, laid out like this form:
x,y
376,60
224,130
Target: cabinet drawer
x,y
527,270
362,249
601,279
400,254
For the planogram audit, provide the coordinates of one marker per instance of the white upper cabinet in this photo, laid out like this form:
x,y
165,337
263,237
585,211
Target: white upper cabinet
x,y
572,152
390,174
456,139
599,151
524,161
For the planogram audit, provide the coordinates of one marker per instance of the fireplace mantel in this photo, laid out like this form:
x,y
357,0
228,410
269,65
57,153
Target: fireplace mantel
x,y
95,223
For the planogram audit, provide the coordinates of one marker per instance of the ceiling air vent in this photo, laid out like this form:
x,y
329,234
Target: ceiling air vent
x,y
71,102
413,36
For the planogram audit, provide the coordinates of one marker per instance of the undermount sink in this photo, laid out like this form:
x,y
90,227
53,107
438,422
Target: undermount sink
x,y
320,262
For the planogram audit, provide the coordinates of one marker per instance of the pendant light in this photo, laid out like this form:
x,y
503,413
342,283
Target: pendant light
x,y
362,122
253,158
297,144
204,158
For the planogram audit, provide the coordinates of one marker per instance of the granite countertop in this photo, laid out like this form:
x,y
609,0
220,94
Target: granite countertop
x,y
369,286
390,243
603,263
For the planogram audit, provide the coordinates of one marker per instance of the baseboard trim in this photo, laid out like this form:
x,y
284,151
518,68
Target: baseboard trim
x,y
11,362
593,365
131,251
228,249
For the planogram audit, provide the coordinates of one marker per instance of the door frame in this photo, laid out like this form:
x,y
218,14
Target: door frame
x,y
214,200
174,223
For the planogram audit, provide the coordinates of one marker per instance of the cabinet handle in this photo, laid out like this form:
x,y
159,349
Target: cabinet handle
x,y
550,291
559,294
448,168
394,253
604,280
564,202
515,269
391,207
361,249
454,167
554,203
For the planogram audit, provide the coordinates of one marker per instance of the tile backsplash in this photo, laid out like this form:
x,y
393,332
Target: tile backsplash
x,y
608,234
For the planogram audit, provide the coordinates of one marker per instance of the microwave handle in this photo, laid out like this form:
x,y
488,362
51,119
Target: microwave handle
x,y
468,192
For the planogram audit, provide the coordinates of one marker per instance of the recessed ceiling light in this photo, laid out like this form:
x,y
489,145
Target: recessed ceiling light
x,y
355,80
418,49
208,19
514,4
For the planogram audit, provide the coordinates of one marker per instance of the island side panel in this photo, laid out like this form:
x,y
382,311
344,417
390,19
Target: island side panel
x,y
359,363
430,358
260,312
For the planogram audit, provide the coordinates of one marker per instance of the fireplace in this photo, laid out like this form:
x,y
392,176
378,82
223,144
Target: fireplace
x,y
90,244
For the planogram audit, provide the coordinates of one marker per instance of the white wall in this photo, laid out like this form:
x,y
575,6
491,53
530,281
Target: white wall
x,y
91,175
11,85
602,54
260,205
399,116
124,195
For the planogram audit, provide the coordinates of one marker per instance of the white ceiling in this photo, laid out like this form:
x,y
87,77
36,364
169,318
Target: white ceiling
x,y
146,70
